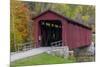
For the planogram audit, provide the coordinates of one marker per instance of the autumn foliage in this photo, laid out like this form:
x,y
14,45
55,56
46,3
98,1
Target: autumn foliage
x,y
19,23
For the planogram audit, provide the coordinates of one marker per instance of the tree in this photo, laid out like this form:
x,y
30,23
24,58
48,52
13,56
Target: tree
x,y
19,23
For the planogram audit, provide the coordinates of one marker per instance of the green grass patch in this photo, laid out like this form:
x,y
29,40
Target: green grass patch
x,y
42,59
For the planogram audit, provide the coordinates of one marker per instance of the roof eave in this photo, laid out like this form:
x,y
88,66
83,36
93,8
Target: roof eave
x,y
70,20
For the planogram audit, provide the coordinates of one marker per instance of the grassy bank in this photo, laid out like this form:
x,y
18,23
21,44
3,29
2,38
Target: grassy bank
x,y
42,59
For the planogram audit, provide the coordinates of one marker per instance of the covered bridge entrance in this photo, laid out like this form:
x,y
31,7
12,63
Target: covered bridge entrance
x,y
50,31
49,27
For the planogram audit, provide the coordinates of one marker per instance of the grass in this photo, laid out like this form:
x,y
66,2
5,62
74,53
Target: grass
x,y
42,59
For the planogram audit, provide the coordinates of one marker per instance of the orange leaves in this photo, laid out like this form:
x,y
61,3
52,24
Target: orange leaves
x,y
20,19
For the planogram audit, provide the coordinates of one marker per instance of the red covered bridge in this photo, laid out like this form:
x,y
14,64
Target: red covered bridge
x,y
49,27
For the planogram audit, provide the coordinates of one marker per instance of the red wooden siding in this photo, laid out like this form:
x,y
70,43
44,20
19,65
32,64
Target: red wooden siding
x,y
74,34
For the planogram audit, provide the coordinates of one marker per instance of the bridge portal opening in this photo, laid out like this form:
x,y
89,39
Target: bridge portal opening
x,y
51,31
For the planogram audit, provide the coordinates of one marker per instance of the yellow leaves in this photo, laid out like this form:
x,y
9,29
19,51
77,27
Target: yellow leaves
x,y
85,18
25,33
20,19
